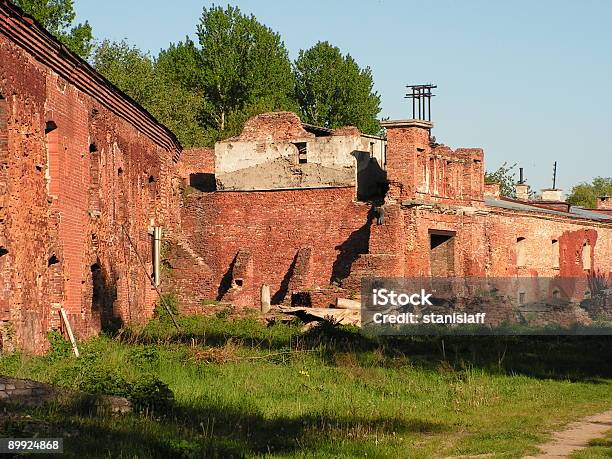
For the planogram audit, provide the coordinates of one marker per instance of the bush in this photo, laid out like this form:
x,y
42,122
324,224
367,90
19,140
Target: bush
x,y
60,347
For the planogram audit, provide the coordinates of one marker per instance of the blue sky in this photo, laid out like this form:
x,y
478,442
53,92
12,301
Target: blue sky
x,y
530,82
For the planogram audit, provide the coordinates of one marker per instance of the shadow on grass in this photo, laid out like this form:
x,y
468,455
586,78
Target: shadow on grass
x,y
577,358
205,431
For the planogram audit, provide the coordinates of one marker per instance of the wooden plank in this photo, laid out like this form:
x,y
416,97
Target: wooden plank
x,y
69,330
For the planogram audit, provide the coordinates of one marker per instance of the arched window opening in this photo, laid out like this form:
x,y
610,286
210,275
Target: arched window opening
x,y
586,256
555,253
521,256
53,158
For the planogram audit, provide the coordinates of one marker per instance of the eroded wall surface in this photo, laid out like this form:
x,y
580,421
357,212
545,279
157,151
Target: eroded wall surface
x,y
276,152
81,187
298,237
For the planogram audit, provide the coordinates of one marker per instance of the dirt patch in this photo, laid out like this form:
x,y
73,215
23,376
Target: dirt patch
x,y
575,437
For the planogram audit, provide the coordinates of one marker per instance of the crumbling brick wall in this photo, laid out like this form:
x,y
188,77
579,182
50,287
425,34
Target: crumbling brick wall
x,y
485,244
274,228
197,168
85,173
418,169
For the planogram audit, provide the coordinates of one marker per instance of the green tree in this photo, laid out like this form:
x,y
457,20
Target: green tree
x,y
585,194
333,91
166,86
129,69
245,69
505,177
58,17
180,102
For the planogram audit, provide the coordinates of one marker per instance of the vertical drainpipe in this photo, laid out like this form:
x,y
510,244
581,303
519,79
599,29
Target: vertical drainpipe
x,y
156,254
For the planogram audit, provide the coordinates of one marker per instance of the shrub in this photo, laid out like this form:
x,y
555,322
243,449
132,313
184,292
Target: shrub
x,y
60,347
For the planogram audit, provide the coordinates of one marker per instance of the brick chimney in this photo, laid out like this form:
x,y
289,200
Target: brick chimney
x,y
406,140
604,203
552,194
521,190
552,198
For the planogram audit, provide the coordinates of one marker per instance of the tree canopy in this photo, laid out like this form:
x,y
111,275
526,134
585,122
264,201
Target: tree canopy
x,y
206,89
585,194
333,91
245,69
58,17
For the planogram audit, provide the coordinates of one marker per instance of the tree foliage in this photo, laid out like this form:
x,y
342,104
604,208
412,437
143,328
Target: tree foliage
x,y
58,17
333,91
585,194
505,176
165,86
245,69
128,68
237,68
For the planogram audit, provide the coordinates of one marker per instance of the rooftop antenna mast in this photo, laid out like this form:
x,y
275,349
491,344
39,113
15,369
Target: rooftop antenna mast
x,y
554,187
421,100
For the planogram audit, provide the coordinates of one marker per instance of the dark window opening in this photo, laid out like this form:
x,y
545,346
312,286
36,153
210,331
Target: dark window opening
x,y
50,126
3,251
151,179
93,148
442,253
53,260
239,282
120,171
302,148
522,298
203,181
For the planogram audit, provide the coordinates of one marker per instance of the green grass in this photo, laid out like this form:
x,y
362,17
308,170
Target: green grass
x,y
245,390
600,448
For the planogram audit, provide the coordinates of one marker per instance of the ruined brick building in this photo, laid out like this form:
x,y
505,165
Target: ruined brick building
x,y
85,175
89,178
295,209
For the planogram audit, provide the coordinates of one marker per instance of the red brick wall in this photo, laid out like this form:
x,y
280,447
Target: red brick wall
x,y
66,235
274,126
485,244
419,170
273,227
196,160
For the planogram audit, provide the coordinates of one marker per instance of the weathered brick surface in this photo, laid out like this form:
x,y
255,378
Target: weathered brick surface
x,y
277,126
197,168
274,227
79,180
604,203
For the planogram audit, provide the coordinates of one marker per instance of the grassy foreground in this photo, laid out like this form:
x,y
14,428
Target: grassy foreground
x,y
240,389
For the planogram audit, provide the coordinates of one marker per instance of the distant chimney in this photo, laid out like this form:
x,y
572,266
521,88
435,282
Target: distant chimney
x,y
522,191
552,194
604,203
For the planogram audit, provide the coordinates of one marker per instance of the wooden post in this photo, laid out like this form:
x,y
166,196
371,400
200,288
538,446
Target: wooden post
x,y
69,330
265,298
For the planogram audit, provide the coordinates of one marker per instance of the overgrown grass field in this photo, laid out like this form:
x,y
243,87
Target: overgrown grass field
x,y
236,388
